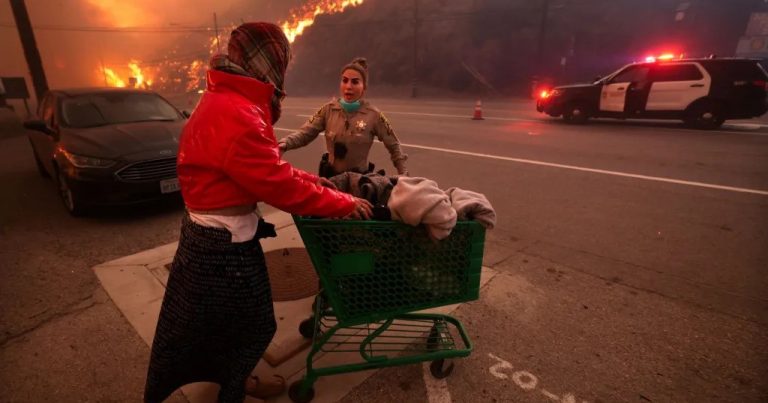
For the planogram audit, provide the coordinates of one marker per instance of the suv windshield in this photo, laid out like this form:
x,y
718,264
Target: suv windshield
x,y
120,107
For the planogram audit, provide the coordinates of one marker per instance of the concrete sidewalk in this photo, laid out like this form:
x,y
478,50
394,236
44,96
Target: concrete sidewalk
x,y
136,284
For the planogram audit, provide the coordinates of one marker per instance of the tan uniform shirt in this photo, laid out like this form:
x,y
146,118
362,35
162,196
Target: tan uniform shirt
x,y
349,136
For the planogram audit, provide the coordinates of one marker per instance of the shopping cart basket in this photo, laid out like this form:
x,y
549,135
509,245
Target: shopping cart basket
x,y
374,276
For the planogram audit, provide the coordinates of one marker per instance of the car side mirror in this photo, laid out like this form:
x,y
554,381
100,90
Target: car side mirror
x,y
186,113
38,125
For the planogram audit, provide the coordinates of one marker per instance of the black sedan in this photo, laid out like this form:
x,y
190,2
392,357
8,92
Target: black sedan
x,y
107,146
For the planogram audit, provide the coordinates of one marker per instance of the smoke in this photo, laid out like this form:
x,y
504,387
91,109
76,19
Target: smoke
x,y
460,45
74,50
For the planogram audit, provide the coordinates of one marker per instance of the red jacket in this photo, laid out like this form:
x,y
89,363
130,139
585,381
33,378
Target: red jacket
x,y
228,155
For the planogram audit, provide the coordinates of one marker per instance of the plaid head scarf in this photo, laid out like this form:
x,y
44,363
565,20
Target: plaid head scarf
x,y
259,50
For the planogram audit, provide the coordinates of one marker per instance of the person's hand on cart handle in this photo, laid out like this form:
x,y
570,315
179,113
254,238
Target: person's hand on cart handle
x,y
363,210
326,183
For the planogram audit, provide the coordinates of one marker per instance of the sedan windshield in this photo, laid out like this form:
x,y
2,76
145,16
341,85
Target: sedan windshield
x,y
118,107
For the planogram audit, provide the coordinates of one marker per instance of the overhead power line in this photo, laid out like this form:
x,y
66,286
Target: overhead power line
x,y
148,30
211,30
188,58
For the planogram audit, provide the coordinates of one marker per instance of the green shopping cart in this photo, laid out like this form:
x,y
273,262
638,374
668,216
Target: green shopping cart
x,y
374,276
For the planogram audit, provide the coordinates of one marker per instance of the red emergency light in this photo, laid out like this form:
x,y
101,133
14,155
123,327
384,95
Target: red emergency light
x,y
662,57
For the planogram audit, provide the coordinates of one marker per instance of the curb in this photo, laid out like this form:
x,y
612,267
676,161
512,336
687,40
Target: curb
x,y
136,284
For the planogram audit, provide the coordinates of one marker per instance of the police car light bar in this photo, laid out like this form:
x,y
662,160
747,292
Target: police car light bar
x,y
665,56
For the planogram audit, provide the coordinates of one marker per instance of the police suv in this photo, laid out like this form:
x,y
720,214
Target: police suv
x,y
701,92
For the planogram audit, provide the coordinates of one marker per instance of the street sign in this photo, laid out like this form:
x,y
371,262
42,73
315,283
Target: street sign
x,y
15,88
753,46
758,24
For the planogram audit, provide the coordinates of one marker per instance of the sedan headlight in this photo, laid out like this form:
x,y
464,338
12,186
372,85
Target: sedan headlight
x,y
86,162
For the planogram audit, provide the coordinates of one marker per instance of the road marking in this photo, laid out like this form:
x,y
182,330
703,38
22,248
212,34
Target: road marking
x,y
739,128
550,121
751,126
442,115
437,389
594,170
568,398
526,381
747,126
585,169
496,369
468,117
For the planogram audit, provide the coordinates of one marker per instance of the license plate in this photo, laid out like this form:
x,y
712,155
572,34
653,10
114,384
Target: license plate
x,y
169,185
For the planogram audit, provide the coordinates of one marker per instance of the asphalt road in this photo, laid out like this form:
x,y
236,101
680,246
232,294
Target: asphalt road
x,y
632,263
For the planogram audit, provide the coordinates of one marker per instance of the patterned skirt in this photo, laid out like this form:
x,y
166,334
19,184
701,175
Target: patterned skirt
x,y
217,317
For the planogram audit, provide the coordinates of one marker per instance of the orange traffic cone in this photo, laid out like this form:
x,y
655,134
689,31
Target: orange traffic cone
x,y
478,115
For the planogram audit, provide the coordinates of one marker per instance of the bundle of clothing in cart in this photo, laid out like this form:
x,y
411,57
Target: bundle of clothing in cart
x,y
415,200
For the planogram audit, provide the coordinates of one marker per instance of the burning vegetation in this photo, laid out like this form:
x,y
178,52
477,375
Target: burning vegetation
x,y
176,73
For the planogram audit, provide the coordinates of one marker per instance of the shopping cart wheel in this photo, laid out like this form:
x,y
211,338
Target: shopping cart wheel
x,y
439,370
307,327
293,393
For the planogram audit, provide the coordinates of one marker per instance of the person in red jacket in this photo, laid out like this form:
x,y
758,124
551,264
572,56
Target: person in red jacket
x,y
217,318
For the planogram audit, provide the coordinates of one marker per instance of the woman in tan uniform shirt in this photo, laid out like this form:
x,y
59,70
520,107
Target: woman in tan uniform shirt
x,y
350,124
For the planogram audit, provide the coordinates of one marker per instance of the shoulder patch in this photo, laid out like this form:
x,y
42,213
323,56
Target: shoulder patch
x,y
317,114
384,120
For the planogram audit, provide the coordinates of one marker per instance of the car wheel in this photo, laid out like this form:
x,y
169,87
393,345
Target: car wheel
x,y
71,200
40,166
705,116
576,113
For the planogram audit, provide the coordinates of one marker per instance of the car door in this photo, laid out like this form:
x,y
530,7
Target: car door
x,y
677,85
40,141
613,96
47,143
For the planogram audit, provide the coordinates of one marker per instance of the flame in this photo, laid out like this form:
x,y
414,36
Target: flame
x,y
304,16
135,76
141,82
111,78
173,73
195,74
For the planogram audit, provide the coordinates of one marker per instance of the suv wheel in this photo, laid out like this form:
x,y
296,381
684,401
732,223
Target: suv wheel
x,y
576,112
705,116
71,200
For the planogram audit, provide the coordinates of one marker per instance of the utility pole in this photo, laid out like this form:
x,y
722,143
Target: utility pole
x,y
542,36
684,27
415,78
216,27
31,53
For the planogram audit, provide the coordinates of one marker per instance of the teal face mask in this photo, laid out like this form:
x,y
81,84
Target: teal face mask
x,y
349,107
